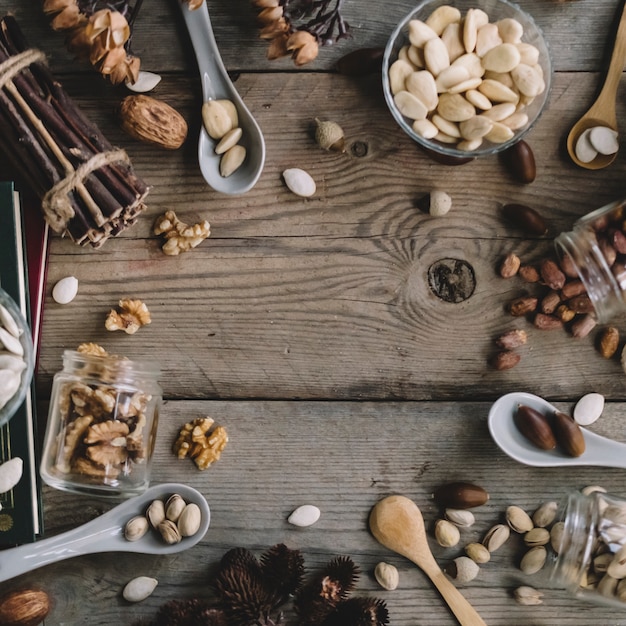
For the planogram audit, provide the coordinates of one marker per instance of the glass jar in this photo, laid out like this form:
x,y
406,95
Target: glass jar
x,y
591,560
102,425
596,247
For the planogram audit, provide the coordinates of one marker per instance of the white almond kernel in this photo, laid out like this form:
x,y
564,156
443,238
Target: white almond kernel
x,y
436,56
232,160
443,16
146,81
7,320
420,33
588,409
502,58
230,139
299,182
65,290
305,515
423,86
410,106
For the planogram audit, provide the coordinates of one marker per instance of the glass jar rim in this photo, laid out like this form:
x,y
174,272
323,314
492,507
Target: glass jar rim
x,y
122,365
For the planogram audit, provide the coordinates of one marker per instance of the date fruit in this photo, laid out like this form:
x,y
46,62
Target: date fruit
x,y
568,434
520,161
526,218
460,495
535,427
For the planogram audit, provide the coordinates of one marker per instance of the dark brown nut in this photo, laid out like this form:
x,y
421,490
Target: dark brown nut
x,y
525,218
573,288
619,271
512,339
551,274
509,266
550,302
529,274
564,313
520,161
361,62
522,306
27,607
567,266
547,322
568,434
505,360
608,251
618,241
582,326
581,304
535,427
460,495
609,342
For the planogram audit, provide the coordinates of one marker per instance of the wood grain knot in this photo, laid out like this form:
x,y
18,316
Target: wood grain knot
x,y
452,280
359,149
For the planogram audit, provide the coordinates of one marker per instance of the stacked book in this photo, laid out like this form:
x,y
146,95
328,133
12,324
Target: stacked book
x,y
23,246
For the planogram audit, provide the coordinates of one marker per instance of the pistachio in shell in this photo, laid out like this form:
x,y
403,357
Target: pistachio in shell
x,y
568,434
460,495
535,427
330,136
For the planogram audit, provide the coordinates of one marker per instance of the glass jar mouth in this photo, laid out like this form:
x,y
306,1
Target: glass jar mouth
x,y
109,367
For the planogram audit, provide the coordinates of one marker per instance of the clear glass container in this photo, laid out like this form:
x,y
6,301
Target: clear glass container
x,y
591,560
596,247
102,425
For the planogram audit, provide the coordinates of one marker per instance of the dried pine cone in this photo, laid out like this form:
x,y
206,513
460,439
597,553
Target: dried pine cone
x,y
359,612
186,613
283,570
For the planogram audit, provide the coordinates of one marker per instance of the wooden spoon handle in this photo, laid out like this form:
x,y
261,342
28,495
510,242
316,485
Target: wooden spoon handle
x,y
464,612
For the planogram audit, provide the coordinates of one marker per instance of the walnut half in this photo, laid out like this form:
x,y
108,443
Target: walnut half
x,y
132,315
201,441
180,237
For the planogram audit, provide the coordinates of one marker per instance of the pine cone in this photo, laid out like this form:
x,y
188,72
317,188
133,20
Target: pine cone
x,y
359,612
188,613
283,571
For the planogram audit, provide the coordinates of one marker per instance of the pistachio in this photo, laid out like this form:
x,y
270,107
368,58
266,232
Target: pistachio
x,y
232,160
556,536
533,560
387,576
607,586
460,517
446,533
477,552
537,537
601,562
139,588
174,507
496,537
330,136
462,569
156,513
136,528
518,519
545,514
528,596
190,520
169,531
65,290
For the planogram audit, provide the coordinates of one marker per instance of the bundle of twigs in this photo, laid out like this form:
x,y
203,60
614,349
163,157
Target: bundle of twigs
x,y
88,189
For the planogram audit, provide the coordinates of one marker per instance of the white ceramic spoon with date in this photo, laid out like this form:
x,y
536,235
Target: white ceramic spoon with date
x,y
216,85
106,534
599,451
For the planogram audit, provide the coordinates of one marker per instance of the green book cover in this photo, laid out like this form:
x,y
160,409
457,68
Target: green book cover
x,y
21,512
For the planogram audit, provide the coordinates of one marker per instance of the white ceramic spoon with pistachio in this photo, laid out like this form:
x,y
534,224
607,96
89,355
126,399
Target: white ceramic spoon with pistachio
x,y
216,85
599,451
106,534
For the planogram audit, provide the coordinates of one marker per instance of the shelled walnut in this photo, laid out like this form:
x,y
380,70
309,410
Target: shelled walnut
x,y
132,315
180,237
201,441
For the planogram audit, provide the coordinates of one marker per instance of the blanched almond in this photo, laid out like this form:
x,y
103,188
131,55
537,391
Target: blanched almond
x,y
436,56
423,86
410,106
420,33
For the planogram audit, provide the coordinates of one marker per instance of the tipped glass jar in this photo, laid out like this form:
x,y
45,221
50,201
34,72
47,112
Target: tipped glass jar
x,y
102,425
591,559
596,250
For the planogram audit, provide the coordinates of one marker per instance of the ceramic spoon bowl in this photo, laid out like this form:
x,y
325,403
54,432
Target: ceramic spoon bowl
x,y
106,534
599,451
216,85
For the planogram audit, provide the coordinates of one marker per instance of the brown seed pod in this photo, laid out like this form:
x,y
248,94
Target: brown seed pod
x,y
27,607
568,434
535,427
460,495
520,161
526,218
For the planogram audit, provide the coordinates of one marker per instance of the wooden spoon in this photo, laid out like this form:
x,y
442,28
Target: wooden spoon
x,y
602,111
398,524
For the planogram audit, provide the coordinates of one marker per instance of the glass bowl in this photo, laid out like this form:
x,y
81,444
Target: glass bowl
x,y
496,10
10,407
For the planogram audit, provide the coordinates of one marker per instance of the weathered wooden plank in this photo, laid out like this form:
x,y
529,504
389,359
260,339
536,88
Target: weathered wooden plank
x,y
342,457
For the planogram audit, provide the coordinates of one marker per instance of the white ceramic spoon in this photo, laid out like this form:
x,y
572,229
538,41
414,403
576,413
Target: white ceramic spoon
x,y
106,534
216,85
599,450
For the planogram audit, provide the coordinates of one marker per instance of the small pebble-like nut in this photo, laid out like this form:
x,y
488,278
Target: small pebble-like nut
x,y
518,519
604,139
174,506
65,290
330,136
446,533
25,607
232,160
230,139
582,326
460,517
496,537
528,596
216,119
146,81
525,218
299,182
520,161
545,514
440,203
556,535
522,306
387,576
10,473
305,515
190,519
477,552
136,528
535,427
510,266
505,360
609,342
169,531
155,513
588,409
551,274
568,434
534,560
460,495
512,339
537,537
462,569
139,588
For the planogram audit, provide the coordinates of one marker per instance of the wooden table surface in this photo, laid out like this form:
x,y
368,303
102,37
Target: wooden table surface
x,y
308,327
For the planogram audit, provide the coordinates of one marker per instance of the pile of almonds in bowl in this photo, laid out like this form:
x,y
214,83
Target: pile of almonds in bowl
x,y
466,79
